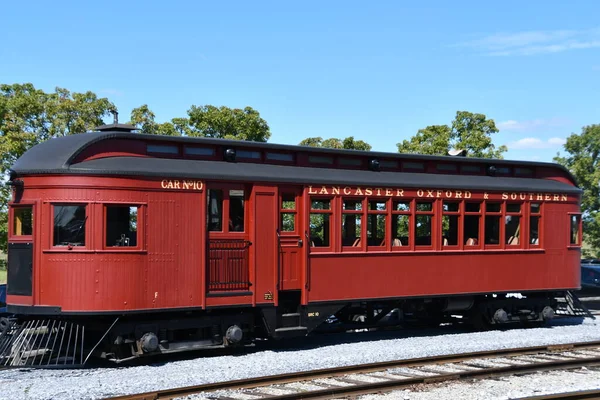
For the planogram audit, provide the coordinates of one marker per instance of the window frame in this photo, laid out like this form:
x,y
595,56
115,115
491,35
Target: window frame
x,y
87,231
294,211
501,224
332,221
361,245
141,223
539,216
11,234
460,215
478,214
394,215
383,245
521,215
433,220
577,215
225,232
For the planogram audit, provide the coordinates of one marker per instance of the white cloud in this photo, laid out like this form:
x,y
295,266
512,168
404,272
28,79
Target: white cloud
x,y
536,143
536,42
530,125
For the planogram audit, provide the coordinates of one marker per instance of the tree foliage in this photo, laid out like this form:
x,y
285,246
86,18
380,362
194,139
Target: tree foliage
x,y
583,160
469,131
333,143
29,116
206,121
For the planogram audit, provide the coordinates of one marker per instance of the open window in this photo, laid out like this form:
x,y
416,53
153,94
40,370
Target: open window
x,y
534,224
22,221
451,219
122,225
512,225
320,223
423,223
352,219
575,230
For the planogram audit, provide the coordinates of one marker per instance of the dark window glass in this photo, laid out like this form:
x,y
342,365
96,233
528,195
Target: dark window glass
x,y
121,225
503,171
69,225
402,205
512,229
535,208
492,229
534,226
424,206
375,205
23,221
575,229
288,202
280,157
351,229
423,230
400,227
388,164
493,207
319,230
320,204
450,230
413,165
215,210
471,230
162,148
352,205
350,161
376,229
450,206
446,167
513,208
472,207
470,169
248,154
236,211
523,171
320,160
200,151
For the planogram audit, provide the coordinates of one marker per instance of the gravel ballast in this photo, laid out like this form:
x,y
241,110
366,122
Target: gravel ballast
x,y
322,352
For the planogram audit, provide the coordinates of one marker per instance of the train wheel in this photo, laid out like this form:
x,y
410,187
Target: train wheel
x,y
4,325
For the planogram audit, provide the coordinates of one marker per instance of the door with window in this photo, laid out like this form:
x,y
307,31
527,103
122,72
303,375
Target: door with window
x,y
228,244
291,238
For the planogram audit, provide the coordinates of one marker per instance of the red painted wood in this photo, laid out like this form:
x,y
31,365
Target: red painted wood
x,y
265,243
291,243
168,270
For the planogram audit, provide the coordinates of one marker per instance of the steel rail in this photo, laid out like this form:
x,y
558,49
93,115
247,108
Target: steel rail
x,y
251,383
389,385
579,395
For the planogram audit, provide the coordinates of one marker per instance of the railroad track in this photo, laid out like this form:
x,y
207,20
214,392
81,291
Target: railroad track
x,y
385,376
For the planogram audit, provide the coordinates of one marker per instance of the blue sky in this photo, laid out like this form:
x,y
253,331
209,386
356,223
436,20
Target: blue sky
x,y
377,71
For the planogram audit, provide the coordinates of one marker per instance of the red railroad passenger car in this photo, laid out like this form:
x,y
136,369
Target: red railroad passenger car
x,y
123,244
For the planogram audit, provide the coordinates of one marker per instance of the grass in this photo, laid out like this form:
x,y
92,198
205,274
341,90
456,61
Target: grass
x,y
2,276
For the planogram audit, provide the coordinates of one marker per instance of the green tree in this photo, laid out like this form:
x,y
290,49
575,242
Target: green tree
x,y
144,119
333,143
29,116
206,121
228,123
583,160
469,131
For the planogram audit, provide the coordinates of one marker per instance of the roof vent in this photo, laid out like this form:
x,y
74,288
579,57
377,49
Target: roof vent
x,y
457,153
116,126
